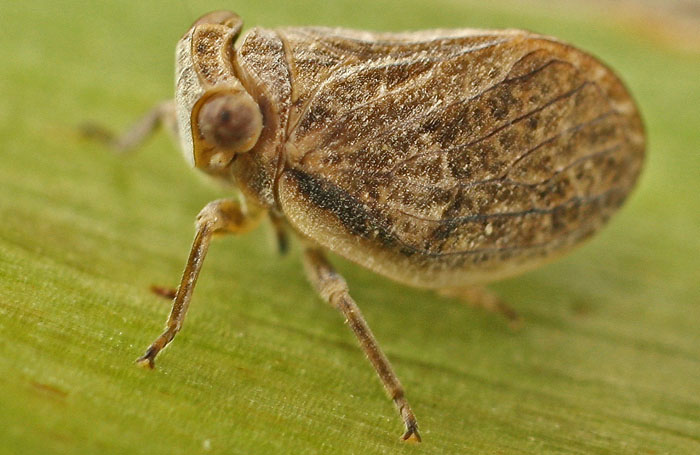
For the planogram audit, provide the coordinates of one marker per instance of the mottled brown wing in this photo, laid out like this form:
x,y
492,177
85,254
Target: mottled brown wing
x,y
490,148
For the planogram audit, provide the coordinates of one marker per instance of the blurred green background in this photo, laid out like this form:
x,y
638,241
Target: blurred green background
x,y
608,361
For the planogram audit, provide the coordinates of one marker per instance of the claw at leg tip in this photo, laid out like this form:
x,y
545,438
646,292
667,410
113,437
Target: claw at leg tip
x,y
147,360
411,436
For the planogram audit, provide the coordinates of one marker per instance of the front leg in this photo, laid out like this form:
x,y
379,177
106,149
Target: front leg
x,y
225,216
333,289
162,114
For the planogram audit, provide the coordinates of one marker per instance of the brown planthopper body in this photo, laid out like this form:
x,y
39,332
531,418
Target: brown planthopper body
x,y
444,159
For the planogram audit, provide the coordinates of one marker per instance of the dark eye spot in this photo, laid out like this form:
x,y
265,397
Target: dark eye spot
x,y
230,121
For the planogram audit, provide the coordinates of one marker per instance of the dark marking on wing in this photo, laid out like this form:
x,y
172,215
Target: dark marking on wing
x,y
351,212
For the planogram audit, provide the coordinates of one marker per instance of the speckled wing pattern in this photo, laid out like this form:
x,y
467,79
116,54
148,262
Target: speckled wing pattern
x,y
470,146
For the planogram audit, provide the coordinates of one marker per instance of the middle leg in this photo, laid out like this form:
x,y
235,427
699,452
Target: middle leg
x,y
481,297
333,289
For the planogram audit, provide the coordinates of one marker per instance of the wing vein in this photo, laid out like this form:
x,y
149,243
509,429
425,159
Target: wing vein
x,y
322,85
573,129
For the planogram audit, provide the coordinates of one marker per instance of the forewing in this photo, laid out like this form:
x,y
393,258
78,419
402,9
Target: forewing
x,y
453,145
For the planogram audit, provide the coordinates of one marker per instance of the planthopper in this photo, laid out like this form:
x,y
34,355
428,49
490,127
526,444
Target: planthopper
x,y
442,159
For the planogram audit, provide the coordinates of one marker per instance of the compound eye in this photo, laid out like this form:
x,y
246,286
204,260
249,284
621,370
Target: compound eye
x,y
231,121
